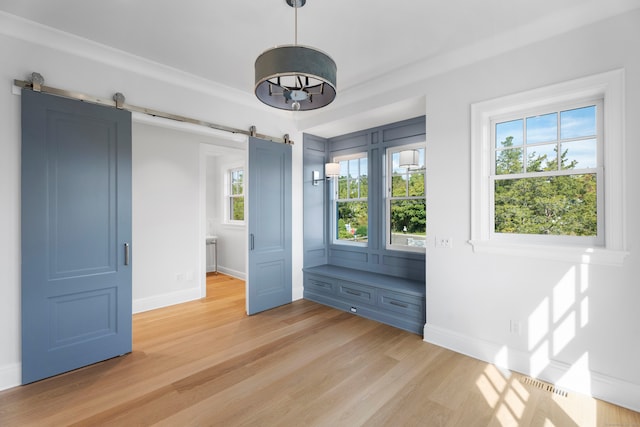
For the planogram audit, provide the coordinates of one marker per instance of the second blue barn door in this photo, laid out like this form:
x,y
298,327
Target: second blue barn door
x,y
269,279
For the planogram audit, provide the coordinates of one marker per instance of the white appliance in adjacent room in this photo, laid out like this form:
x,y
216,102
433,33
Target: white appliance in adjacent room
x,y
212,254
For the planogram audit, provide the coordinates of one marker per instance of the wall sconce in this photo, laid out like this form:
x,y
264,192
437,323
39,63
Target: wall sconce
x,y
315,176
331,170
409,159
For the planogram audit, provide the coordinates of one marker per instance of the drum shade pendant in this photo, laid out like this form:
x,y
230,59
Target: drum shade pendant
x,y
295,77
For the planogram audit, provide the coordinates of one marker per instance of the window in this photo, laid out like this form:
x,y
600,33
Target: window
x,y
406,219
235,195
547,172
351,206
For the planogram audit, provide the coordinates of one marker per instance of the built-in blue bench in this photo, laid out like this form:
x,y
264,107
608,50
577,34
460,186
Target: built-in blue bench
x,y
392,300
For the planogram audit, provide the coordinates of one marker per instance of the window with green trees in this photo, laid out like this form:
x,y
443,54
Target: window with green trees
x,y
235,193
547,172
351,205
406,201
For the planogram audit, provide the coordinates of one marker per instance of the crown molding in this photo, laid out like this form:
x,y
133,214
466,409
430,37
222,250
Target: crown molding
x,y
401,83
42,35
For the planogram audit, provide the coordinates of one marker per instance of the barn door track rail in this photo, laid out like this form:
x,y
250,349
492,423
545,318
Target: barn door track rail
x,y
36,83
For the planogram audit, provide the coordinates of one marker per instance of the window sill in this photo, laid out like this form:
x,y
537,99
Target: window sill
x,y
349,244
233,224
407,249
574,254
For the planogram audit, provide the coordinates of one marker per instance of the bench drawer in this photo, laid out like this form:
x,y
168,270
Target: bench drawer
x,y
409,305
320,284
357,292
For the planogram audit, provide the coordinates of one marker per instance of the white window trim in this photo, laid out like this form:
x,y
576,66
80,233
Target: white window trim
x,y
552,239
387,198
227,196
610,87
334,201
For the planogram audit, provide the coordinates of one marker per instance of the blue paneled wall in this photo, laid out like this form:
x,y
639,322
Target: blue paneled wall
x,y
318,246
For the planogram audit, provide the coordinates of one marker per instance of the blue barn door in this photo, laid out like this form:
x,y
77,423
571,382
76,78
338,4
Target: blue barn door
x,y
76,234
269,279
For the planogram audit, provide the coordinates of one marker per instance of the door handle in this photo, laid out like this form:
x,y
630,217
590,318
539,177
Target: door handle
x,y
126,254
251,241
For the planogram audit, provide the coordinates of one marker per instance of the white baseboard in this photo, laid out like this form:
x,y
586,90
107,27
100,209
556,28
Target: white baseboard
x,y
165,300
233,273
601,386
10,375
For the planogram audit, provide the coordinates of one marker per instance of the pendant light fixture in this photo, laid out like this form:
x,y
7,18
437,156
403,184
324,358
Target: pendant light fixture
x,y
295,77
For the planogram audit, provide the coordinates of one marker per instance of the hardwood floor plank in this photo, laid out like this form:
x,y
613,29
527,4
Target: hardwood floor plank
x,y
362,399
211,375
309,390
207,363
265,372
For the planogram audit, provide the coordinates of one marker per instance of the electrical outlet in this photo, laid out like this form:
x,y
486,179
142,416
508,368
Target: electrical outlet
x,y
444,242
515,327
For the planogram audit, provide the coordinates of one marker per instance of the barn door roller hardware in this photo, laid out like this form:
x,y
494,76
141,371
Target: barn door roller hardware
x,y
36,83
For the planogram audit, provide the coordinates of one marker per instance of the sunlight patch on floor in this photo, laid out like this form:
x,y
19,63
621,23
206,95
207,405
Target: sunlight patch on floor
x,y
503,394
511,397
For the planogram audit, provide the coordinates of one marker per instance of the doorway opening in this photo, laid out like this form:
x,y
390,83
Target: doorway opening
x,y
169,209
224,213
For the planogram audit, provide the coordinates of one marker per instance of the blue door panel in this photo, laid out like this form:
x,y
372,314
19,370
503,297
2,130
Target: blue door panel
x,y
82,218
269,280
271,275
76,219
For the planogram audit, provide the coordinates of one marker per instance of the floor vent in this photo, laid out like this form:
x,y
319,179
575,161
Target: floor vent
x,y
544,386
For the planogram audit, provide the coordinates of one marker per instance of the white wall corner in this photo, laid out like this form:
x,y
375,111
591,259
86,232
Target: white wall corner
x,y
10,375
297,292
600,386
297,225
202,209
477,348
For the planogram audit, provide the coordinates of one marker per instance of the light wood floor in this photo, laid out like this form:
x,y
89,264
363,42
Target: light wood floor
x,y
206,363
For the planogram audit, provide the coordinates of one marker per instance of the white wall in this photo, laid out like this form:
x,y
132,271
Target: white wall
x,y
166,213
580,322
232,238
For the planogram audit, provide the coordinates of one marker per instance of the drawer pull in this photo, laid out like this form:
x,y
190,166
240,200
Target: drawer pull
x,y
399,304
356,293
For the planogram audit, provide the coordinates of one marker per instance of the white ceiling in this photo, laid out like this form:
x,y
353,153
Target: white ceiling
x,y
220,39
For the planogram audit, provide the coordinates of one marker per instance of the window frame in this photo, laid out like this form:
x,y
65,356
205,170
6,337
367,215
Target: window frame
x,y
388,197
595,241
335,200
229,196
610,87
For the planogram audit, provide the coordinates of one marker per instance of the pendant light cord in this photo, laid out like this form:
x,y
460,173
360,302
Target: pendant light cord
x,y
295,3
